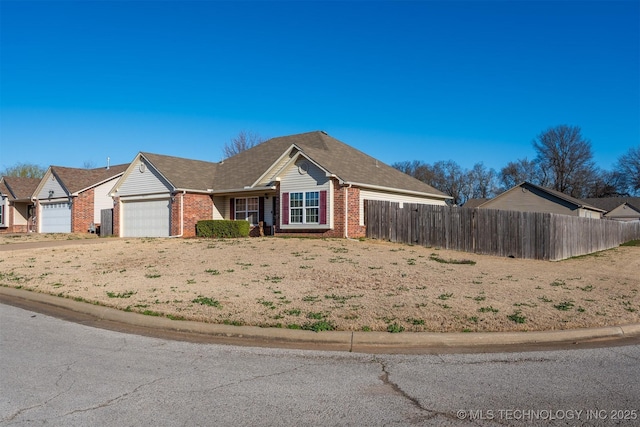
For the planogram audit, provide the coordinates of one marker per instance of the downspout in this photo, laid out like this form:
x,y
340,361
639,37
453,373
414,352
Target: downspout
x,y
181,215
346,210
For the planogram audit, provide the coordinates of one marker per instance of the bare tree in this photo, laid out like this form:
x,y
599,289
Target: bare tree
x,y
520,171
243,141
566,160
89,164
629,166
482,181
25,170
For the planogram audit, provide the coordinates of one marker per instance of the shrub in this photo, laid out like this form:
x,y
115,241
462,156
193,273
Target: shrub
x,y
222,228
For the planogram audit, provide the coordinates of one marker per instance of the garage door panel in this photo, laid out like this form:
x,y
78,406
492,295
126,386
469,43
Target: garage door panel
x,y
55,217
146,218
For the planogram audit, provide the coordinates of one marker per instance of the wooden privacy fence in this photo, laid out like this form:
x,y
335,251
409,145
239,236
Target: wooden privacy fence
x,y
492,232
106,222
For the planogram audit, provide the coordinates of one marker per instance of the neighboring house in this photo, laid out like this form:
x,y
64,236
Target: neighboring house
x,y
618,208
69,200
309,183
16,206
474,203
527,197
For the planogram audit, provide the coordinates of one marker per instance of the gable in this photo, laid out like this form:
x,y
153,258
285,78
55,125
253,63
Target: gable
x,y
142,178
624,211
530,199
303,175
51,185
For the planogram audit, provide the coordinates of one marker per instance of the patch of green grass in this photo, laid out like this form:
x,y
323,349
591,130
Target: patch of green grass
x,y
558,283
268,304
206,301
122,295
310,298
294,326
415,322
587,288
321,325
365,329
151,313
274,279
564,305
213,272
544,299
488,309
631,243
517,317
444,297
232,322
152,275
293,312
395,328
175,317
316,315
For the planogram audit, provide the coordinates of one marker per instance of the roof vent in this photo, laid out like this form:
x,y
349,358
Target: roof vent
x,y
324,132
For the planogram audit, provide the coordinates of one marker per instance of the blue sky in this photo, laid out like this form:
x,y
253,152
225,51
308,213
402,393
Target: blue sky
x,y
469,81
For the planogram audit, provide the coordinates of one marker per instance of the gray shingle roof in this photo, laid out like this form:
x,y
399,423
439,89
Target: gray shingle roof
x,y
245,168
183,173
336,157
76,179
18,188
610,203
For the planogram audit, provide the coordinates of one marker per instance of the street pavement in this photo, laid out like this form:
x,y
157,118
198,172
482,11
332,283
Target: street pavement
x,y
59,373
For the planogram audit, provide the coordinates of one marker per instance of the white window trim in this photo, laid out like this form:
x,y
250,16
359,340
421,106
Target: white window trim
x,y
304,208
3,211
246,210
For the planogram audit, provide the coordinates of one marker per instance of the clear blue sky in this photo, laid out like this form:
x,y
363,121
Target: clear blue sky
x,y
469,81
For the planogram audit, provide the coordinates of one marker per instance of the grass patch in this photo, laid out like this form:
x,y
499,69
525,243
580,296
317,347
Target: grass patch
x,y
631,243
488,309
122,295
564,305
206,301
517,317
395,328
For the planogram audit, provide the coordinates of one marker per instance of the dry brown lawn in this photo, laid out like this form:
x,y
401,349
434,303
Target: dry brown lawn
x,y
336,283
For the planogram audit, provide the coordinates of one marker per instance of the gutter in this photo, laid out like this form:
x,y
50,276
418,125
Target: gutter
x,y
397,190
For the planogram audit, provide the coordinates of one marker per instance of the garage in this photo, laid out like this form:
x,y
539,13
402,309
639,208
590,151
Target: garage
x,y
55,217
146,218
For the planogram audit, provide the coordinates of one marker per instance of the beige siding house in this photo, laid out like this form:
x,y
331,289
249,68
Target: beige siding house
x,y
309,184
16,206
618,208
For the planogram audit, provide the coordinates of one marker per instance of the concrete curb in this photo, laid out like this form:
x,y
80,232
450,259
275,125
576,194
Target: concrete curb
x,y
334,340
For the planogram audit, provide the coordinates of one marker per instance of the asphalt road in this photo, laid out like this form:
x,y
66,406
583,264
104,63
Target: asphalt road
x,y
59,373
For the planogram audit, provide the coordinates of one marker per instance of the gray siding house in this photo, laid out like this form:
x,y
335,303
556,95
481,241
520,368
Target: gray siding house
x,y
527,197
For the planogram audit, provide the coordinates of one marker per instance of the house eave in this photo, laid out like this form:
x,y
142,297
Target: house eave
x,y
395,190
241,190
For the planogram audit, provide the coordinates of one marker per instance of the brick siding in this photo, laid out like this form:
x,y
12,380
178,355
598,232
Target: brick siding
x,y
197,207
82,211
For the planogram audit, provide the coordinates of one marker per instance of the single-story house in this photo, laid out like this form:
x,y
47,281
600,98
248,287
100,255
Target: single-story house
x,y
309,183
16,206
527,197
70,200
618,208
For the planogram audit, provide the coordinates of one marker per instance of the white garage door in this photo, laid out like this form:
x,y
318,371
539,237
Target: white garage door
x,y
56,218
146,218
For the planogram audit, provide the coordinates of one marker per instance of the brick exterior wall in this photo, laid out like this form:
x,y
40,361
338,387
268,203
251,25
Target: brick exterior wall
x,y
82,211
197,207
116,217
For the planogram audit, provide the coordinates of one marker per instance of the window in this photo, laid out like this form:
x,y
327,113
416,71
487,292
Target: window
x,y
247,209
304,208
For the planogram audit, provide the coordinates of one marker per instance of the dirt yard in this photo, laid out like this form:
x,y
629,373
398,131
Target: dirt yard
x,y
331,284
